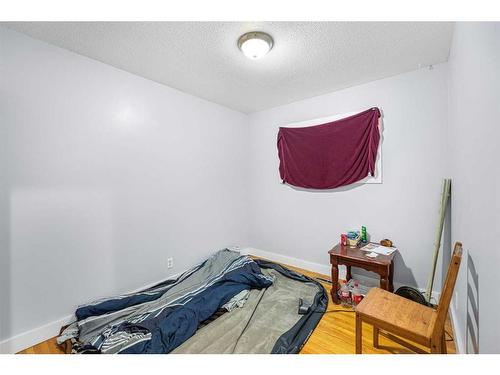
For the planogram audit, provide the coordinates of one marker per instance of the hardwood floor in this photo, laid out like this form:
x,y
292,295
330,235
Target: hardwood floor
x,y
334,334
46,347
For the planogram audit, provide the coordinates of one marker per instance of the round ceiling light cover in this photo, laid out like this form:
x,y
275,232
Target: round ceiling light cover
x,y
255,44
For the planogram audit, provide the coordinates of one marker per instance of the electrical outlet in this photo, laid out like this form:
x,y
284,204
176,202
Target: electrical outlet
x,y
170,262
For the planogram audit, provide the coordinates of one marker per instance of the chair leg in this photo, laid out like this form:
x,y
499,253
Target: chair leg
x,y
436,346
359,334
375,337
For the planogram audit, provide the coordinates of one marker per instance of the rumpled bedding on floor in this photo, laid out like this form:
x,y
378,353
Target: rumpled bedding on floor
x,y
261,324
168,315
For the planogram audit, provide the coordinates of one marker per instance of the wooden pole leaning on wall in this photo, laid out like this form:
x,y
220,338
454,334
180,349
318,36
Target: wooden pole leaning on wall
x,y
445,194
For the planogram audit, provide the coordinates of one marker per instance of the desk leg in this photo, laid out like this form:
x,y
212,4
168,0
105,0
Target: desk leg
x,y
391,277
383,282
348,273
335,283
386,279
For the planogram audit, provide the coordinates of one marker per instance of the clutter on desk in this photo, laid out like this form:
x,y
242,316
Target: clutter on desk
x,y
379,249
353,238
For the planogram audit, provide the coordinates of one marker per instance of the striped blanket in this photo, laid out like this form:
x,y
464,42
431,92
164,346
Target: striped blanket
x,y
159,319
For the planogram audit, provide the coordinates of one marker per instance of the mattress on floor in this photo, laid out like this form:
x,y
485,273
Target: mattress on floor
x,y
268,322
172,316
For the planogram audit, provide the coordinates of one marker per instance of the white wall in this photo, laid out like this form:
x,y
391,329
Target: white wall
x,y
404,208
474,113
104,175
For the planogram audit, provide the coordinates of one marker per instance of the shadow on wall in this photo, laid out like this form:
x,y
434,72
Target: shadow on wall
x,y
472,329
472,332
403,275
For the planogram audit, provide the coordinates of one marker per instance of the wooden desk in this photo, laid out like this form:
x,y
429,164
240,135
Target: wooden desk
x,y
355,257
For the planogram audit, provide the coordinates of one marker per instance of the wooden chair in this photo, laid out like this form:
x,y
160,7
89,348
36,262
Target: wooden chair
x,y
401,319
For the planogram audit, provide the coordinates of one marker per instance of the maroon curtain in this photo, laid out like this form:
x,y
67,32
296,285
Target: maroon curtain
x,y
330,155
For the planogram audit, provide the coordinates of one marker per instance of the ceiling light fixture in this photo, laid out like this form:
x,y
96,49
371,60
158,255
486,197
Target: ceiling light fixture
x,y
255,44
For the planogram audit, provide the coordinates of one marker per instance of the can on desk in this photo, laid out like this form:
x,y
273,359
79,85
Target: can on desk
x,y
343,239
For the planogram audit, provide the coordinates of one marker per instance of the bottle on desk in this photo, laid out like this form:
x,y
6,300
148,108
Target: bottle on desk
x,y
364,236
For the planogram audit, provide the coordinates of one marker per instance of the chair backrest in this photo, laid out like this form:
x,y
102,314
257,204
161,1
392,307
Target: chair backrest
x,y
449,285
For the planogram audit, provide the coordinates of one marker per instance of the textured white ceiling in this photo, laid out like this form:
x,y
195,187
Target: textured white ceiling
x,y
202,58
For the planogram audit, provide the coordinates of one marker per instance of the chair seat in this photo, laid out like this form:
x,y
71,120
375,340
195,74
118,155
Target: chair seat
x,y
398,315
